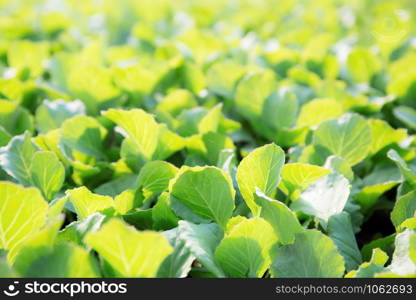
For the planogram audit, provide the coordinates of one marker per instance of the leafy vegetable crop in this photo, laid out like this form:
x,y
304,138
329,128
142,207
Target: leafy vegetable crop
x,y
207,138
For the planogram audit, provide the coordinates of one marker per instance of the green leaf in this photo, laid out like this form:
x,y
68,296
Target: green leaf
x,y
86,203
179,262
64,261
404,208
37,244
23,213
84,134
312,255
324,198
169,143
209,145
176,101
340,230
139,127
51,114
261,169
16,158
298,176
384,135
245,250
252,91
402,263
316,111
117,186
77,230
382,179
202,240
47,173
130,252
223,75
207,191
282,219
25,54
5,137
162,214
15,119
408,174
407,115
348,137
154,177
369,269
362,64
280,109
339,165
93,85
126,201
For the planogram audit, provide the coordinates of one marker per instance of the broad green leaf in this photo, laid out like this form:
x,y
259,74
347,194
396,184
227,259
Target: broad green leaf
x,y
401,263
140,128
407,115
130,252
374,266
223,75
404,208
282,219
348,137
56,206
5,137
93,85
6,270
312,255
168,143
128,77
64,261
23,213
117,186
77,230
125,202
385,243
16,158
37,245
252,91
382,179
47,173
324,198
340,230
362,64
25,54
209,145
408,173
84,134
202,240
162,213
51,114
199,120
86,203
245,251
141,219
15,119
280,109
154,177
298,176
207,191
261,169
339,165
176,101
384,135
210,121
179,262
316,111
